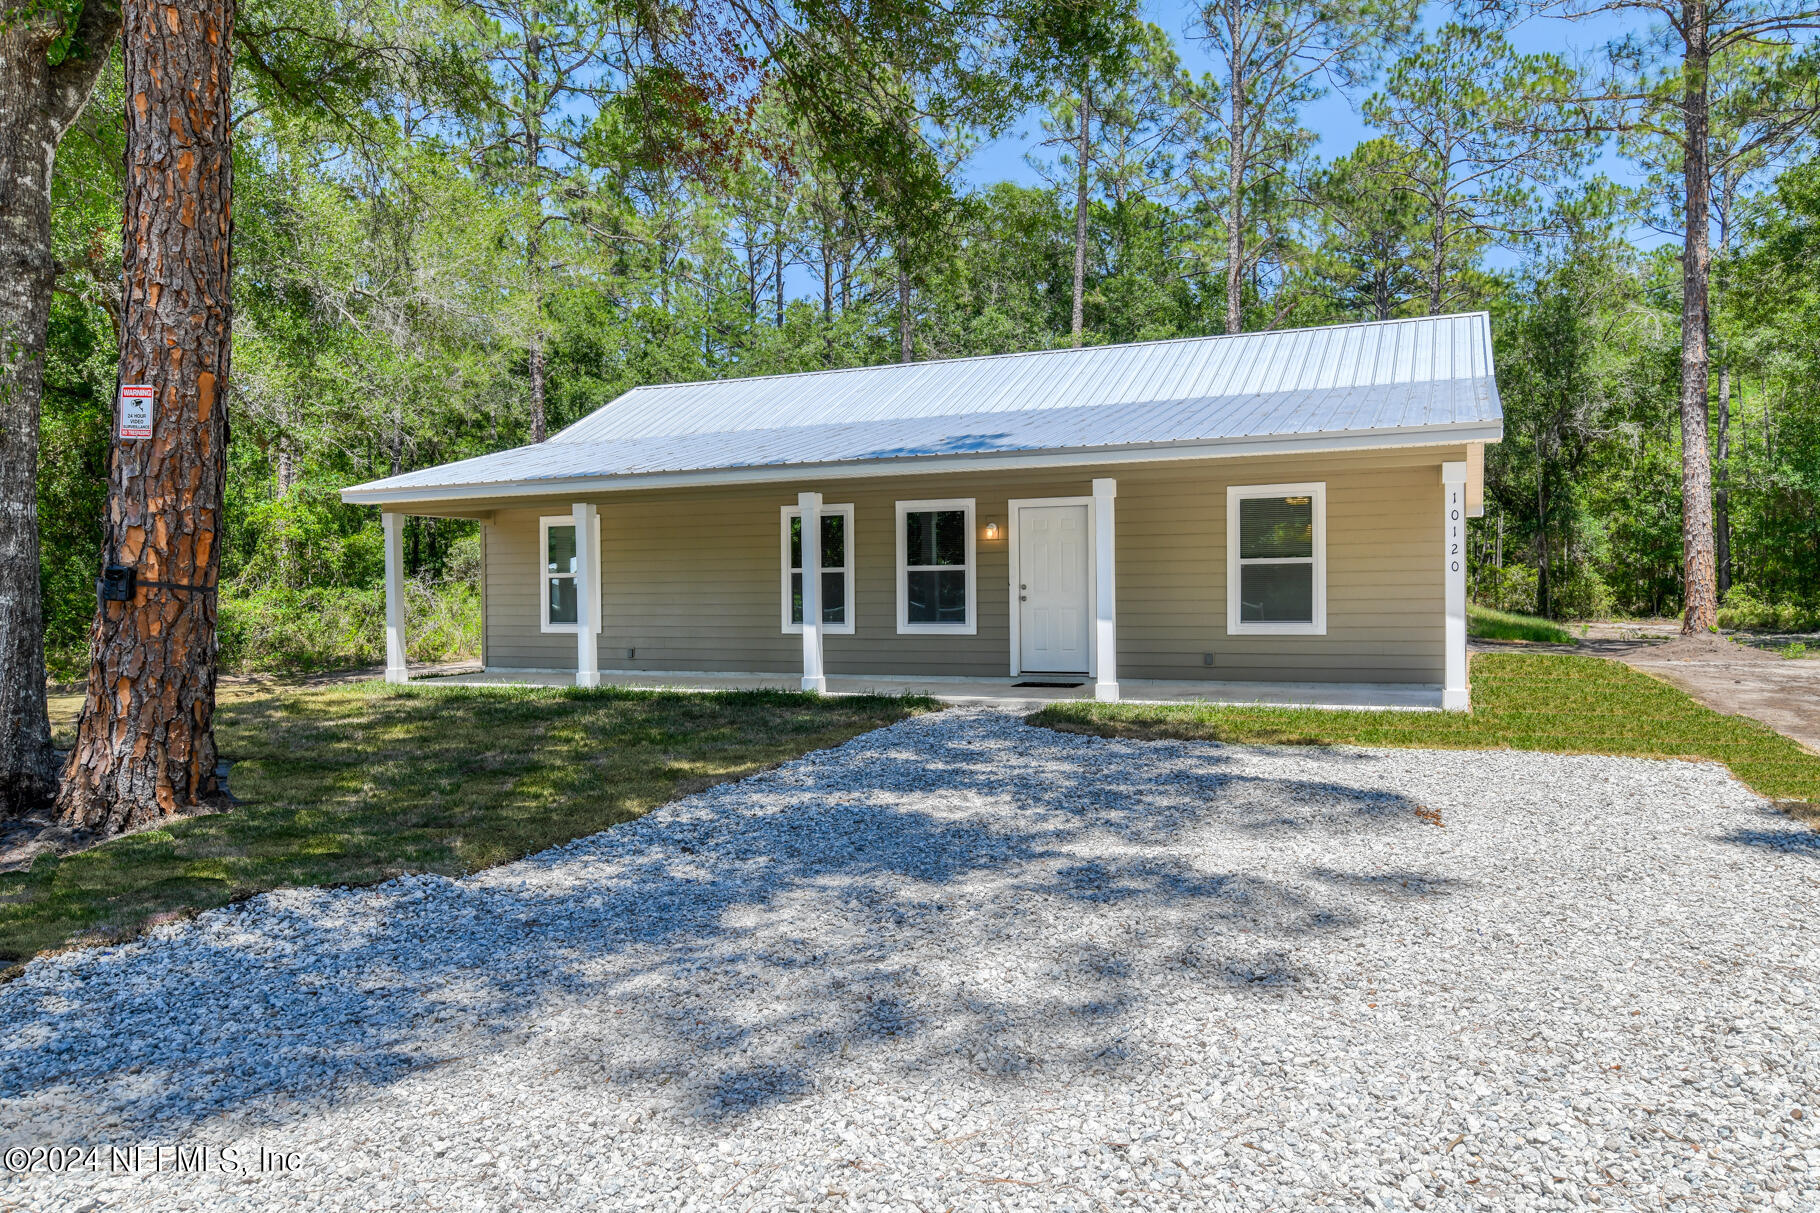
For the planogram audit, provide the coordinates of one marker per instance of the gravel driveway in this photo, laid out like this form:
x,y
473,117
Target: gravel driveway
x,y
964,963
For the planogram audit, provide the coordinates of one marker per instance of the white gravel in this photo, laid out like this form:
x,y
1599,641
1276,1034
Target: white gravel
x,y
965,963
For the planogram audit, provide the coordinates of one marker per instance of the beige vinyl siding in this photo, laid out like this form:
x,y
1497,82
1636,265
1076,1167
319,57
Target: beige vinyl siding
x,y
515,639
692,576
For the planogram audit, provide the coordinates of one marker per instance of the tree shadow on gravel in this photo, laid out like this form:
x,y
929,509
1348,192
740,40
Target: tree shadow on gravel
x,y
1796,841
1000,900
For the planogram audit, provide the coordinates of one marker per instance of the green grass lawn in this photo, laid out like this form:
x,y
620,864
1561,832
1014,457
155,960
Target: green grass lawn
x,y
357,783
1488,624
1521,701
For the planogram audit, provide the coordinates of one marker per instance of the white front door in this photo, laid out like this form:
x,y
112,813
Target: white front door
x,y
1053,590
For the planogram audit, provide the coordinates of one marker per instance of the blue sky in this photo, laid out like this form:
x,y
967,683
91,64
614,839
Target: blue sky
x,y
1334,117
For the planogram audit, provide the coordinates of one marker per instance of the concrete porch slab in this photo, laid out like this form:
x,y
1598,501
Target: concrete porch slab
x,y
999,692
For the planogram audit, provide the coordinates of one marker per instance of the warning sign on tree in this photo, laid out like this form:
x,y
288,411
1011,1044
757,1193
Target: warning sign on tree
x,y
135,411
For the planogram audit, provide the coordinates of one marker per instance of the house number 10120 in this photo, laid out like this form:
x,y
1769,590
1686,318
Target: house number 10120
x,y
1453,516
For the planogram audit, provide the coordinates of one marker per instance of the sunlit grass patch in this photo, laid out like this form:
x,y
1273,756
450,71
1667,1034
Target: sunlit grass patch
x,y
1521,701
352,784
1488,624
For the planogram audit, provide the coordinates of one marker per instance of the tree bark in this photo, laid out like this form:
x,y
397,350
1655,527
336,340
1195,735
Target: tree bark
x,y
1082,152
1235,204
38,104
1437,261
1701,596
906,331
1722,495
1542,558
145,749
287,480
532,118
539,426
777,272
287,448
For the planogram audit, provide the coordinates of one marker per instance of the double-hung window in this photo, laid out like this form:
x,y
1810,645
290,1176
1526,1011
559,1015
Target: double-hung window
x,y
560,594
935,567
836,571
1276,559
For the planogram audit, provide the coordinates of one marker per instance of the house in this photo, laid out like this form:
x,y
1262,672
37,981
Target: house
x,y
1280,507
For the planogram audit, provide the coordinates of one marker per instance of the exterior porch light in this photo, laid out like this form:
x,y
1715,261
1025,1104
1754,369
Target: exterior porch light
x,y
993,533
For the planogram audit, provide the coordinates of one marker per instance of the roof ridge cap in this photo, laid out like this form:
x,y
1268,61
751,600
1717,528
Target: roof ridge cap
x,y
1115,345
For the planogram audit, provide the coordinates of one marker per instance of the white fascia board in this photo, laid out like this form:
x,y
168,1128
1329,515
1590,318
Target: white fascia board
x,y
1331,442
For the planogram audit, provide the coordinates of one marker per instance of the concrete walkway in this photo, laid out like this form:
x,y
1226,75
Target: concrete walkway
x,y
1784,694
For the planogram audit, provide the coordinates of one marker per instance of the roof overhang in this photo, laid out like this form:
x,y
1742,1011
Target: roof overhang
x,y
1325,442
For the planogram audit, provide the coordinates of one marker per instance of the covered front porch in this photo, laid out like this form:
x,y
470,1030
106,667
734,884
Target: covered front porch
x,y
582,576
1011,693
683,589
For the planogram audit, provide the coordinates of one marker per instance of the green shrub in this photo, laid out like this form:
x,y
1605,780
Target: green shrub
x,y
305,538
1744,610
1511,588
1575,593
295,631
1580,593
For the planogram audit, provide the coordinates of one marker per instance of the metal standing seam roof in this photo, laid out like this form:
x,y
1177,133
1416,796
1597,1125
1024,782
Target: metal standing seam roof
x,y
1390,382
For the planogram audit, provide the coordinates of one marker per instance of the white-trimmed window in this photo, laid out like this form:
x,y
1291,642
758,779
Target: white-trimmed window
x,y
1276,559
935,567
559,595
837,569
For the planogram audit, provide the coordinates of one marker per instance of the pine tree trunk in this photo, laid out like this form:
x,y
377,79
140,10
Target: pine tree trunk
x,y
145,749
1702,614
1722,495
532,117
1082,152
287,480
777,274
38,103
1437,261
1235,208
539,427
906,331
1543,595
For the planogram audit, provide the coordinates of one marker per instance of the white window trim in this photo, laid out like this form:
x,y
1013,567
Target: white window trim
x,y
828,629
1316,491
904,626
543,573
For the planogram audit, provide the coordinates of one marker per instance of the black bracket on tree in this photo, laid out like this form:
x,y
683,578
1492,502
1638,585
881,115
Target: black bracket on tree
x,y
116,583
119,582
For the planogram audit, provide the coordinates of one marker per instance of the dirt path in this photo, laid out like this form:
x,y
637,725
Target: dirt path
x,y
1726,675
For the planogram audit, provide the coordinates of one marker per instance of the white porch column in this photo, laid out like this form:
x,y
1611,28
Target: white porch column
x,y
811,506
1456,695
587,596
396,669
1105,613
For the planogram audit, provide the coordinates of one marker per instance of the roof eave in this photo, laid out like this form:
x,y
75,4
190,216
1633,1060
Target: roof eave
x,y
379,493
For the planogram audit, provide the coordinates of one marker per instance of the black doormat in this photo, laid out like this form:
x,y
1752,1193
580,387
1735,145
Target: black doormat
x,y
1048,684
